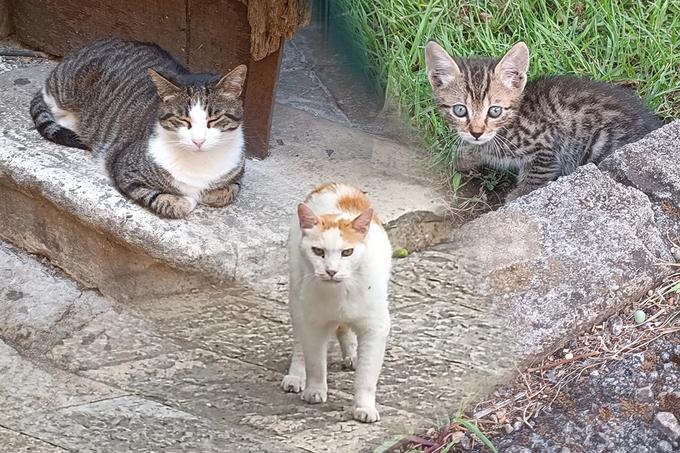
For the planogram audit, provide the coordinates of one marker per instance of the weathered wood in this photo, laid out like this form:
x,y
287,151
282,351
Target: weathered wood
x,y
58,26
210,50
5,23
272,20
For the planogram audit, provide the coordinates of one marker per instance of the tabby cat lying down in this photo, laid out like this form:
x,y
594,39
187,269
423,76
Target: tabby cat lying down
x,y
168,138
545,128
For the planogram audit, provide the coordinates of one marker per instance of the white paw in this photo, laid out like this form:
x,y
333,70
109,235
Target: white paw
x,y
350,362
366,414
192,203
314,395
292,384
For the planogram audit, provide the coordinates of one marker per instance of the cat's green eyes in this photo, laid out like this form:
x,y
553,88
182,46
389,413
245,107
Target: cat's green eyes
x,y
320,252
495,111
459,110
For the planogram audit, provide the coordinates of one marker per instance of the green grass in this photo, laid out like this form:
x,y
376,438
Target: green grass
x,y
636,42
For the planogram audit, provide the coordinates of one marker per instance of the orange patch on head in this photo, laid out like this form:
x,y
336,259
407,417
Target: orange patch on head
x,y
347,231
355,203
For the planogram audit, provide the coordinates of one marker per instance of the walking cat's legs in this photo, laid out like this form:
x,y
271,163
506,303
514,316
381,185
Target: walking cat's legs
x,y
348,344
314,345
372,340
294,381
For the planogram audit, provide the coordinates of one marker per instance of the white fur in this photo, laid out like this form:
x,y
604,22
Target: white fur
x,y
64,118
356,297
195,168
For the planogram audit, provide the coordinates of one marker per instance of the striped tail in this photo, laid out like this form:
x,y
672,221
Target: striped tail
x,y
48,127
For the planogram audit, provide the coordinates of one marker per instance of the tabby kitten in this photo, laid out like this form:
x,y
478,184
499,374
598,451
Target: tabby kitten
x,y
168,138
339,262
544,128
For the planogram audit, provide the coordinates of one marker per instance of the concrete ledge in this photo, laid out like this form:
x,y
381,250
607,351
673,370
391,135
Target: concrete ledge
x,y
652,165
56,202
514,285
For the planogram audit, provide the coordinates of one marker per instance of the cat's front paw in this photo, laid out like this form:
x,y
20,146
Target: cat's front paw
x,y
366,414
173,206
314,395
219,198
292,384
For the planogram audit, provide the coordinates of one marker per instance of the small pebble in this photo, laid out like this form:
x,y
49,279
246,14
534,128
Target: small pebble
x,y
594,373
653,376
644,394
665,357
465,443
456,437
508,428
676,253
668,424
517,425
615,325
568,356
664,446
639,316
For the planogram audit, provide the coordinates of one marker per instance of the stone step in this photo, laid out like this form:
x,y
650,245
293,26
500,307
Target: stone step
x,y
55,202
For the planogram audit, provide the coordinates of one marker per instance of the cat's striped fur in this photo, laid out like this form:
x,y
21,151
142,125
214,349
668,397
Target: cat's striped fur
x,y
168,138
544,128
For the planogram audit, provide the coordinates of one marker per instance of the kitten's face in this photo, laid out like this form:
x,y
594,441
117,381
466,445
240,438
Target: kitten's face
x,y
477,97
201,118
334,246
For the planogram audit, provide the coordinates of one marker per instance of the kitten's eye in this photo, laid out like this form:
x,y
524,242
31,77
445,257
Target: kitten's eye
x,y
495,111
459,110
318,252
187,122
347,252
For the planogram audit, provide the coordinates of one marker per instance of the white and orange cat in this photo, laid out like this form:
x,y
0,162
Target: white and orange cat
x,y
339,262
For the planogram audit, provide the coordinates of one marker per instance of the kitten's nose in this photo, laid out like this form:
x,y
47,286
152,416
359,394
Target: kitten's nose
x,y
331,273
198,141
476,134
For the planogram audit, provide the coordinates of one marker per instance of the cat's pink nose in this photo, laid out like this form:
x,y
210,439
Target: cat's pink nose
x,y
331,273
476,134
198,141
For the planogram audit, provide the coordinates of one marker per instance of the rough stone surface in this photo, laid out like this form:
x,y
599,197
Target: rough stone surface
x,y
652,165
14,442
551,263
79,217
600,413
39,316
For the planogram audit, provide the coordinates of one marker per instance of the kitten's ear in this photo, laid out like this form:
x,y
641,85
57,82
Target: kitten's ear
x,y
232,83
165,88
441,69
306,216
363,221
512,69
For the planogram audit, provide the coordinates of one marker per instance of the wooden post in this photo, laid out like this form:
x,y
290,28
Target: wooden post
x,y
206,36
5,23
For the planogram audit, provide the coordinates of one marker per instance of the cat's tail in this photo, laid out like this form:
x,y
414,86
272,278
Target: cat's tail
x,y
48,127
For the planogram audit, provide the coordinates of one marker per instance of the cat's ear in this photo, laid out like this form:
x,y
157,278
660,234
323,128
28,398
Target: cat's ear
x,y
165,88
513,67
441,69
363,221
307,217
232,83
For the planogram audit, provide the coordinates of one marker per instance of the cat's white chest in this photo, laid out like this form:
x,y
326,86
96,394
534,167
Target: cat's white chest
x,y
195,171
